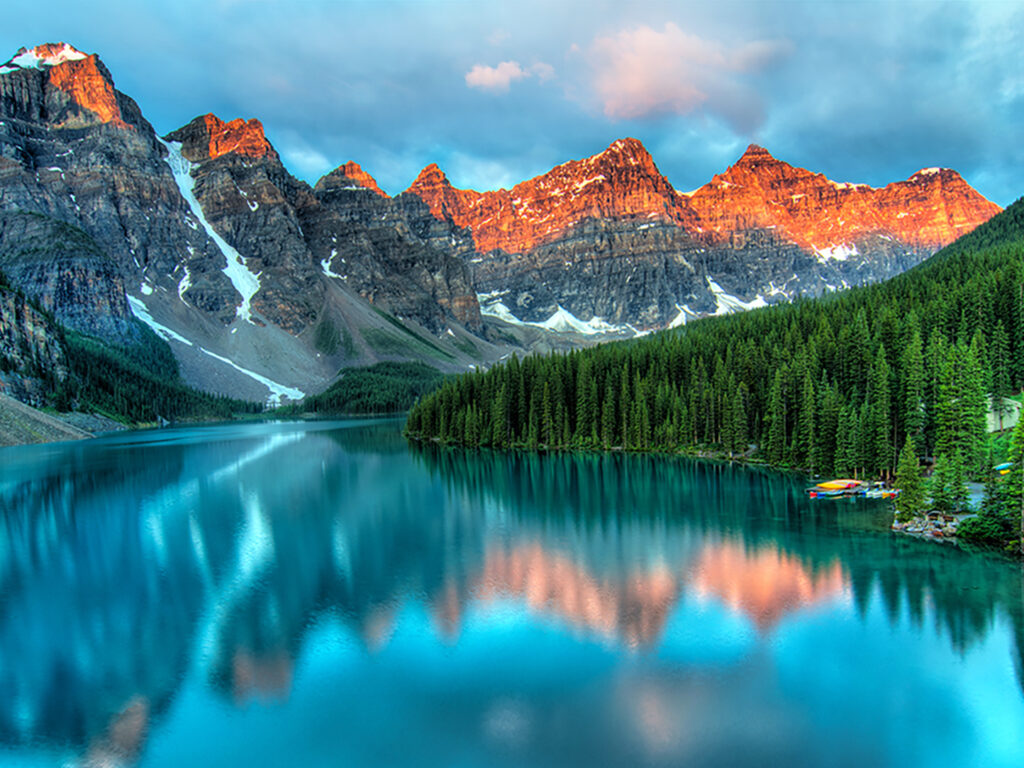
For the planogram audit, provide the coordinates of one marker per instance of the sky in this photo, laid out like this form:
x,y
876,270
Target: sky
x,y
498,92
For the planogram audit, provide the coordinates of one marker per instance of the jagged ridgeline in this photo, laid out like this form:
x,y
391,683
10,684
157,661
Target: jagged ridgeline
x,y
830,384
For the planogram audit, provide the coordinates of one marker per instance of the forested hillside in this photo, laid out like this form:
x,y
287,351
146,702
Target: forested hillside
x,y
46,364
834,384
382,388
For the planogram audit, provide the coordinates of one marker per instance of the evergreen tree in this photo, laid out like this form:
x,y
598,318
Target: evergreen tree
x,y
913,405
908,479
805,434
775,444
939,485
948,486
877,428
608,418
846,445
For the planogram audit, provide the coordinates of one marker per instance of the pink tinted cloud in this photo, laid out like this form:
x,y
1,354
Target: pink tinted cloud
x,y
498,79
644,71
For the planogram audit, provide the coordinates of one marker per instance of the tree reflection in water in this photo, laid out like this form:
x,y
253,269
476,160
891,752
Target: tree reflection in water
x,y
127,565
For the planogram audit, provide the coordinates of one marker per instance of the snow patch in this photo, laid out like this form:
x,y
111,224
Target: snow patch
x,y
277,391
848,185
685,314
325,265
245,282
146,288
581,184
183,285
726,303
840,252
140,311
29,59
562,321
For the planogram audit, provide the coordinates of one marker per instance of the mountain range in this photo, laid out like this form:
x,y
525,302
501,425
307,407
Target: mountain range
x,y
266,287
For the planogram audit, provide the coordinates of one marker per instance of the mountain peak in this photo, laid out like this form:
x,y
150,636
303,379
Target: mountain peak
x,y
349,176
82,79
243,137
45,55
208,137
429,178
432,171
931,174
754,155
355,172
625,152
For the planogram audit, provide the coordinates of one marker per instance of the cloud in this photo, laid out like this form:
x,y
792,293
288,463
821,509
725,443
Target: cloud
x,y
302,158
498,79
643,71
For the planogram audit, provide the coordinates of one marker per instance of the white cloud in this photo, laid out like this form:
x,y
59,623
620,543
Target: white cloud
x,y
643,71
544,72
498,79
306,161
498,36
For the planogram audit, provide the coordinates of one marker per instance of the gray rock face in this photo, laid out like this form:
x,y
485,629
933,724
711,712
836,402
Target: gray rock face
x,y
250,200
607,237
644,274
104,173
74,149
297,239
67,272
393,253
30,350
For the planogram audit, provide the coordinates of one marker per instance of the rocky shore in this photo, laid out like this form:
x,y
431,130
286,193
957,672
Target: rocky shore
x,y
931,525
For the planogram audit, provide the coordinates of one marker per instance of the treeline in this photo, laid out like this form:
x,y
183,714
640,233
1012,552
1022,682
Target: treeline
x,y
136,384
375,389
834,385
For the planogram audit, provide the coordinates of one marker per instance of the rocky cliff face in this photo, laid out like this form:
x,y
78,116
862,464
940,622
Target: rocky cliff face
x,y
393,253
929,210
296,239
31,353
75,149
621,182
67,273
250,200
203,230
607,240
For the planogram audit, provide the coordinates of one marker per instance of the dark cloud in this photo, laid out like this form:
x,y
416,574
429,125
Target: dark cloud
x,y
861,91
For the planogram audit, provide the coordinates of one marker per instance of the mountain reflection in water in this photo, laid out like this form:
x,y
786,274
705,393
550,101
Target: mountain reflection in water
x,y
140,569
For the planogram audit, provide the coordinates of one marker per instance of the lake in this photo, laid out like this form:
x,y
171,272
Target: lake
x,y
321,594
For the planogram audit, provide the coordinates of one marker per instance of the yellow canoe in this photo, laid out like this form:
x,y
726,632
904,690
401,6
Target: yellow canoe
x,y
838,485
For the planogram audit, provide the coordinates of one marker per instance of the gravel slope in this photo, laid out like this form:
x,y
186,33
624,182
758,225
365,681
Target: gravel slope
x,y
21,424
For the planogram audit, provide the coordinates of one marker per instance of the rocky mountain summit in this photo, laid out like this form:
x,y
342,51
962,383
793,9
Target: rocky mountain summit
x,y
608,241
266,287
206,237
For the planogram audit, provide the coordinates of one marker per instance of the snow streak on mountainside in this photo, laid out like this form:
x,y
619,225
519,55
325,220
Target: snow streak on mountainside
x,y
244,281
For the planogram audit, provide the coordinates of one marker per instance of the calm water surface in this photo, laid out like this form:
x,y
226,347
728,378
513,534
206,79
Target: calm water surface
x,y
323,595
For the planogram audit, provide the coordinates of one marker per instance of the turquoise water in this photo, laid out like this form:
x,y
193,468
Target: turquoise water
x,y
323,595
